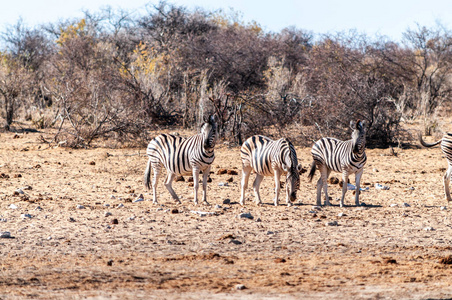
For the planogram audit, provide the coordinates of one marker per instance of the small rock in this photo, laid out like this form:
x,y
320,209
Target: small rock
x,y
25,216
120,205
381,187
231,179
202,213
13,206
246,215
79,206
258,220
227,201
223,184
5,235
443,208
406,205
107,205
38,208
393,205
114,221
333,180
71,219
92,163
332,223
351,187
429,228
174,211
107,214
222,171
341,215
159,209
132,218
218,206
19,192
110,262
279,260
232,172
317,207
138,200
112,197
270,232
240,287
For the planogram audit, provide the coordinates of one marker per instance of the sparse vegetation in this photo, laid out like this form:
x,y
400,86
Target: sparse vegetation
x,y
114,73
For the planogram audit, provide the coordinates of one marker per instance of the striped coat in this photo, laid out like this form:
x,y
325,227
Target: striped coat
x,y
446,147
181,156
270,158
346,157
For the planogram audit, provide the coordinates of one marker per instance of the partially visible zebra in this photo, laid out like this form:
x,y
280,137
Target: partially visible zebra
x,y
182,156
346,157
270,158
446,147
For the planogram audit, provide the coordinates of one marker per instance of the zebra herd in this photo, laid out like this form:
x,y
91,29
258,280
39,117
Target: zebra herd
x,y
266,157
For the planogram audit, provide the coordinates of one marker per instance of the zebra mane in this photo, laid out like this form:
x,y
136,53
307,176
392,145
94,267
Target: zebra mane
x,y
292,156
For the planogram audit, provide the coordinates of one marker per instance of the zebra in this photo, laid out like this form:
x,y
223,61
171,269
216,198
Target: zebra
x,y
182,156
346,157
446,147
267,157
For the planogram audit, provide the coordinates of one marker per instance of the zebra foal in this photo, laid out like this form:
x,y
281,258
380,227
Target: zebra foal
x,y
446,147
346,157
182,156
270,158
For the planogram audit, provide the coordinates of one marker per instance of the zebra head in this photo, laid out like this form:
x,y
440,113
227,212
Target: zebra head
x,y
209,132
358,136
293,169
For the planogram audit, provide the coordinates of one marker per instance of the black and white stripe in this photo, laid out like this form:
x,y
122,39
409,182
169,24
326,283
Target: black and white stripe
x,y
270,158
446,147
346,157
182,156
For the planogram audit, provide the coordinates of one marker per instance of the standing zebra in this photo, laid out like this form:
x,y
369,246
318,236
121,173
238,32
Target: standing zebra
x,y
446,147
270,158
346,157
182,156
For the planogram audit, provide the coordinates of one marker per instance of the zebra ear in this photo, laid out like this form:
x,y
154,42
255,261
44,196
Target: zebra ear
x,y
352,125
361,124
299,167
212,119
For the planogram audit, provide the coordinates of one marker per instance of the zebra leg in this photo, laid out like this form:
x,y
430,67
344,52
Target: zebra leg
x,y
196,183
277,187
319,191
256,184
344,186
168,183
246,171
446,180
157,169
205,175
358,185
324,173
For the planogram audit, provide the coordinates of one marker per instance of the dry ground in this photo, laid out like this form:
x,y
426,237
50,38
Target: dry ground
x,y
166,251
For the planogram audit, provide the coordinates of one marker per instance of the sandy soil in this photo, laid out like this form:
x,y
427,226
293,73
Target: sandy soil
x,y
70,239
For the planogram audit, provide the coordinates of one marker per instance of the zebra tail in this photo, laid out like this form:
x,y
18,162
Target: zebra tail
x,y
427,144
312,172
147,175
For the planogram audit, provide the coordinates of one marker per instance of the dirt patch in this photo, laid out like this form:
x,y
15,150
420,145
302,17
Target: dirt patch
x,y
81,230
